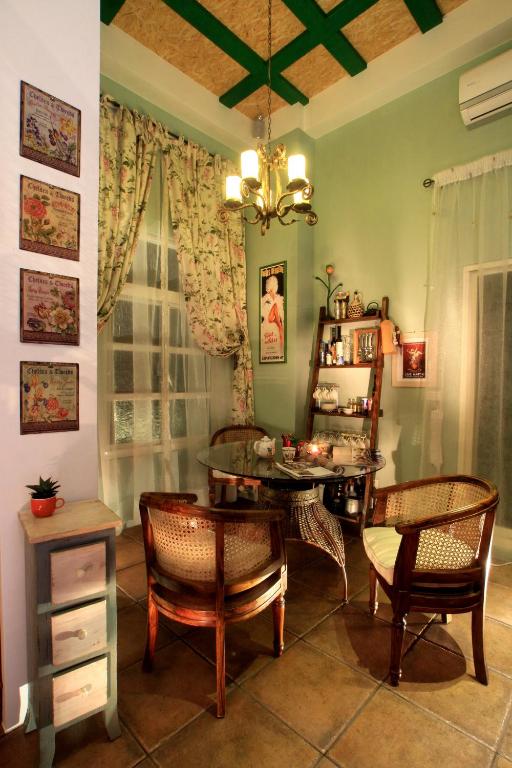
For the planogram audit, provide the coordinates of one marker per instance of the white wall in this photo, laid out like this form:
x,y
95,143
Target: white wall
x,y
54,45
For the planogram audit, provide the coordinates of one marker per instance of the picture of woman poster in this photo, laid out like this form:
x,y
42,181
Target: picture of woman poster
x,y
273,313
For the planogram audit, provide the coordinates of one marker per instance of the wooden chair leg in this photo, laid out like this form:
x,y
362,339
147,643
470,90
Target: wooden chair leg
x,y
477,632
397,639
278,614
147,663
220,663
374,587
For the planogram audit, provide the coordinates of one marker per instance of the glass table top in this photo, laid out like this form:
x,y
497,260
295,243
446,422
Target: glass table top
x,y
239,458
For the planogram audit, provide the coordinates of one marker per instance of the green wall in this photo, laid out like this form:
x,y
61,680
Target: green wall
x,y
374,220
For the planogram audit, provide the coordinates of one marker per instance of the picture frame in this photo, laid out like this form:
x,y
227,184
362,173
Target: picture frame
x,y
273,325
49,399
415,363
50,130
49,219
358,332
49,308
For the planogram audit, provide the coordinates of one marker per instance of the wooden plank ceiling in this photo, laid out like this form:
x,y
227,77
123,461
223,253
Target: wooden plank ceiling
x,y
222,44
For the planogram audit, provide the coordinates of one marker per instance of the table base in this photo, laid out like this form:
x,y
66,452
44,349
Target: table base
x,y
309,521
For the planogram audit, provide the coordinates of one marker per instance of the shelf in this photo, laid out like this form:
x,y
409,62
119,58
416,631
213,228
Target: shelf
x,y
368,415
362,319
348,365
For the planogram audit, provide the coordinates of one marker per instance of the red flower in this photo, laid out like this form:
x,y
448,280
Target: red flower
x,y
62,413
34,208
52,404
329,269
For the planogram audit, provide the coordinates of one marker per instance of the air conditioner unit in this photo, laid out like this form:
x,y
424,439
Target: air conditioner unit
x,y
486,91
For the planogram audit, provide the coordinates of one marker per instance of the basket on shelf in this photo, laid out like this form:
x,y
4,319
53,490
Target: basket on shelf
x,y
356,307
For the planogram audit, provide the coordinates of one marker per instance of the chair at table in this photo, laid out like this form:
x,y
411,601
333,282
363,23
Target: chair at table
x,y
432,553
211,567
216,477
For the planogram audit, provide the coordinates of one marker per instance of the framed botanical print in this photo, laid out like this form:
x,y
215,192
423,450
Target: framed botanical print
x,y
415,363
49,308
273,313
49,130
48,397
49,219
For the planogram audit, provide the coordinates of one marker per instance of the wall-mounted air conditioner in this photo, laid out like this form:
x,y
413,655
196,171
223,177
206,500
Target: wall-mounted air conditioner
x,y
486,91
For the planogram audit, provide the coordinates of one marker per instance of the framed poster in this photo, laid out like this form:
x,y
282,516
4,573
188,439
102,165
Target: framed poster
x,y
49,130
273,313
49,308
415,364
48,397
49,219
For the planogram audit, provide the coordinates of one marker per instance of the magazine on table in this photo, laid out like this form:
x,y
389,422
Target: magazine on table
x,y
307,470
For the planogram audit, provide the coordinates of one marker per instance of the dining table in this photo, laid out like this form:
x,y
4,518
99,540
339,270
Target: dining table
x,y
307,518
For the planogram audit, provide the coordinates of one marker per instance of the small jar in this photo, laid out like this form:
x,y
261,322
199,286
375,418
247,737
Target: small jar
x,y
338,306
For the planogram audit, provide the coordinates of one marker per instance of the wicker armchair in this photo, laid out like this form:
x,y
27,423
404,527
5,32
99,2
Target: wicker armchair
x,y
211,567
431,554
216,477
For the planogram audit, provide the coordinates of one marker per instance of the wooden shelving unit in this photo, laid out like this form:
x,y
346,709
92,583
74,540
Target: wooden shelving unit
x,y
374,390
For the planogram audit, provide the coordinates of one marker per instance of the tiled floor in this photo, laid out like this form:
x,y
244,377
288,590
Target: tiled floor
x,y
325,703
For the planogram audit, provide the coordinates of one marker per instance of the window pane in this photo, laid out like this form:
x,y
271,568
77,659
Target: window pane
x,y
156,421
187,373
175,336
173,277
189,418
178,418
123,371
176,373
122,422
122,329
145,269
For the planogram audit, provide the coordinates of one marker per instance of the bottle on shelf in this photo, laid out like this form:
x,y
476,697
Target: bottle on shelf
x,y
339,347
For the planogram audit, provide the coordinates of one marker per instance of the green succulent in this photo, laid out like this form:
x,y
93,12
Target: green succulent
x,y
44,489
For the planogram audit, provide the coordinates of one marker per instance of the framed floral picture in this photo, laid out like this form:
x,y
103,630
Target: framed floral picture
x,y
273,313
49,130
48,397
49,219
415,364
49,308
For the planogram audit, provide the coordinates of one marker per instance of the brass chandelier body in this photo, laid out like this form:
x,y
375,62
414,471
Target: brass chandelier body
x,y
260,189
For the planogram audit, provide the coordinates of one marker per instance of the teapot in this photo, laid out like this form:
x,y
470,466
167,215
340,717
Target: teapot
x,y
265,447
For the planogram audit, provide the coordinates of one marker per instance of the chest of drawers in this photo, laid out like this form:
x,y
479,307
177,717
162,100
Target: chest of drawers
x,y
71,619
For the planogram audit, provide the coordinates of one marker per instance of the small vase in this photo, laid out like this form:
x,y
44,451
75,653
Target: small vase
x,y
45,507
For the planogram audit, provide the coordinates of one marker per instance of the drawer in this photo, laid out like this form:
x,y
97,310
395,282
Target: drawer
x,y
77,632
77,573
79,691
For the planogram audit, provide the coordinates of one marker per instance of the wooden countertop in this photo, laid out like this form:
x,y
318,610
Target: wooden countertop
x,y
73,519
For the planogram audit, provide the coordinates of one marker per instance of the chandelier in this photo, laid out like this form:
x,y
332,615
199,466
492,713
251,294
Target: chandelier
x,y
260,189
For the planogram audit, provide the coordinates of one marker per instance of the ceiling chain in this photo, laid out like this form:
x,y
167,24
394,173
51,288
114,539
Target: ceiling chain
x,y
269,73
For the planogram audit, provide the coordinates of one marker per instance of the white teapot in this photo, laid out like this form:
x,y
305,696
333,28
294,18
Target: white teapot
x,y
265,447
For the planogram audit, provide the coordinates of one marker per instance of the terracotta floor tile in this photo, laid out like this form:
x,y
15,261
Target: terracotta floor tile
x,y
131,634
358,639
248,737
325,578
134,532
441,682
128,552
18,749
249,645
416,622
299,554
501,574
154,705
499,602
305,608
502,762
389,732
315,694
86,744
325,763
505,746
123,601
133,581
456,636
356,556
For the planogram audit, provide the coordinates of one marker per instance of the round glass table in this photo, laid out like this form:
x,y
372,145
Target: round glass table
x,y
307,519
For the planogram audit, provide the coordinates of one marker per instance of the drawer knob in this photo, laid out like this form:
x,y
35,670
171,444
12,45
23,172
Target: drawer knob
x,y
81,572
86,689
81,634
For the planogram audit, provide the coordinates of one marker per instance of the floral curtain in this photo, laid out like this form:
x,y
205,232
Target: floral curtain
x,y
127,159
212,262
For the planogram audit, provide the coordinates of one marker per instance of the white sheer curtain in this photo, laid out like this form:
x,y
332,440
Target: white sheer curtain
x,y
160,396
468,411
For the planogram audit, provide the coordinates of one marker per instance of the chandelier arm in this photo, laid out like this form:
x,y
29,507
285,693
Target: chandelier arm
x,y
286,223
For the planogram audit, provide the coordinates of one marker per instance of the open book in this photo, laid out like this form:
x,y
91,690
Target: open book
x,y
307,470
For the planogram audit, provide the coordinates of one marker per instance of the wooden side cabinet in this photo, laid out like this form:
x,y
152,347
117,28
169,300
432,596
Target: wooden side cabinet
x,y
71,619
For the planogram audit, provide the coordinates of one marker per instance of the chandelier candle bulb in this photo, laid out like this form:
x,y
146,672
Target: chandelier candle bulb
x,y
296,168
250,164
233,188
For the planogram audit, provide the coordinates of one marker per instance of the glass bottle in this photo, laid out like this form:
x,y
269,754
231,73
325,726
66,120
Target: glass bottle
x,y
339,347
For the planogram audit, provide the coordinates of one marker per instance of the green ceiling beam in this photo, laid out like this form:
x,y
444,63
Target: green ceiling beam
x,y
108,10
425,12
318,22
341,15
209,26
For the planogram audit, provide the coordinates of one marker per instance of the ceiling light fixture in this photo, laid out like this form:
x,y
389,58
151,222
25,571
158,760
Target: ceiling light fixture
x,y
260,187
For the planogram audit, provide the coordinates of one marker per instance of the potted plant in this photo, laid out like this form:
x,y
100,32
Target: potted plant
x,y
44,497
